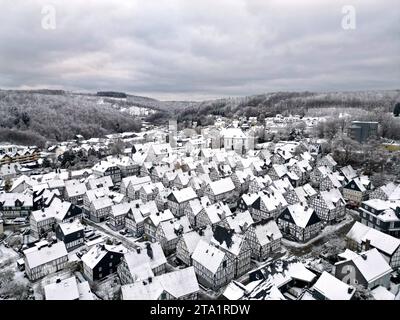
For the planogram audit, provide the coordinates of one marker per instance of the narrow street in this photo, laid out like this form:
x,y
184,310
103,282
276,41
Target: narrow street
x,y
333,237
128,244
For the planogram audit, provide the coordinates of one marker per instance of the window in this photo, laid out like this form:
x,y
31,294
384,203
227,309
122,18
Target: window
x,y
110,264
111,256
100,275
224,264
100,269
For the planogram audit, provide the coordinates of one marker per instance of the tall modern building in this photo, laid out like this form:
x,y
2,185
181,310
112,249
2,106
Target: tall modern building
x,y
362,130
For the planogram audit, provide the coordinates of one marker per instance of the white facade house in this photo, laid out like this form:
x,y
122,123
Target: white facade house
x,y
41,261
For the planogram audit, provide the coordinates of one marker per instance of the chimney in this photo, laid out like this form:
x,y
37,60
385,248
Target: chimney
x,y
349,290
367,244
364,256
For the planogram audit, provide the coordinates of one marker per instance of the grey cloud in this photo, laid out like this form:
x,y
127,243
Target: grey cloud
x,y
200,49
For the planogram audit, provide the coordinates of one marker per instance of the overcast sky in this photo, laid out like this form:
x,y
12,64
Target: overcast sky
x,y
195,49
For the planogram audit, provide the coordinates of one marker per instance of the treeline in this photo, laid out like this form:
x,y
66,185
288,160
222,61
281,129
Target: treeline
x,y
290,103
111,94
28,118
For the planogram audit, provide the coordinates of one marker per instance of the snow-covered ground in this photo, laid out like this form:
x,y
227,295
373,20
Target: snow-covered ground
x,y
328,230
13,284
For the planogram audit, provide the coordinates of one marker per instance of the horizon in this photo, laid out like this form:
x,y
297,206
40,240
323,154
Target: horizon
x,y
202,100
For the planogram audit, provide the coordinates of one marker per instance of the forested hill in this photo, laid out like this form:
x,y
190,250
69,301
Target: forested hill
x,y
34,117
290,102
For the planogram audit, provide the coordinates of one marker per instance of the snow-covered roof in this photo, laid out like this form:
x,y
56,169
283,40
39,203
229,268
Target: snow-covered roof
x,y
391,190
66,289
222,186
231,133
75,188
122,208
157,217
347,255
85,293
267,231
58,209
102,203
96,253
196,206
142,290
8,199
227,240
185,194
192,238
78,173
41,255
333,198
304,192
175,227
381,293
239,221
324,170
71,227
180,283
103,166
272,199
301,214
177,283
278,273
105,181
348,172
359,184
208,256
20,180
332,288
372,265
217,211
249,198
280,169
378,204
379,240
149,253
97,193
134,181
281,185
234,291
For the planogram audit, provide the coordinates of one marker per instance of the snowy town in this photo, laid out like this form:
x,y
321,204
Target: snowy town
x,y
198,214
214,158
